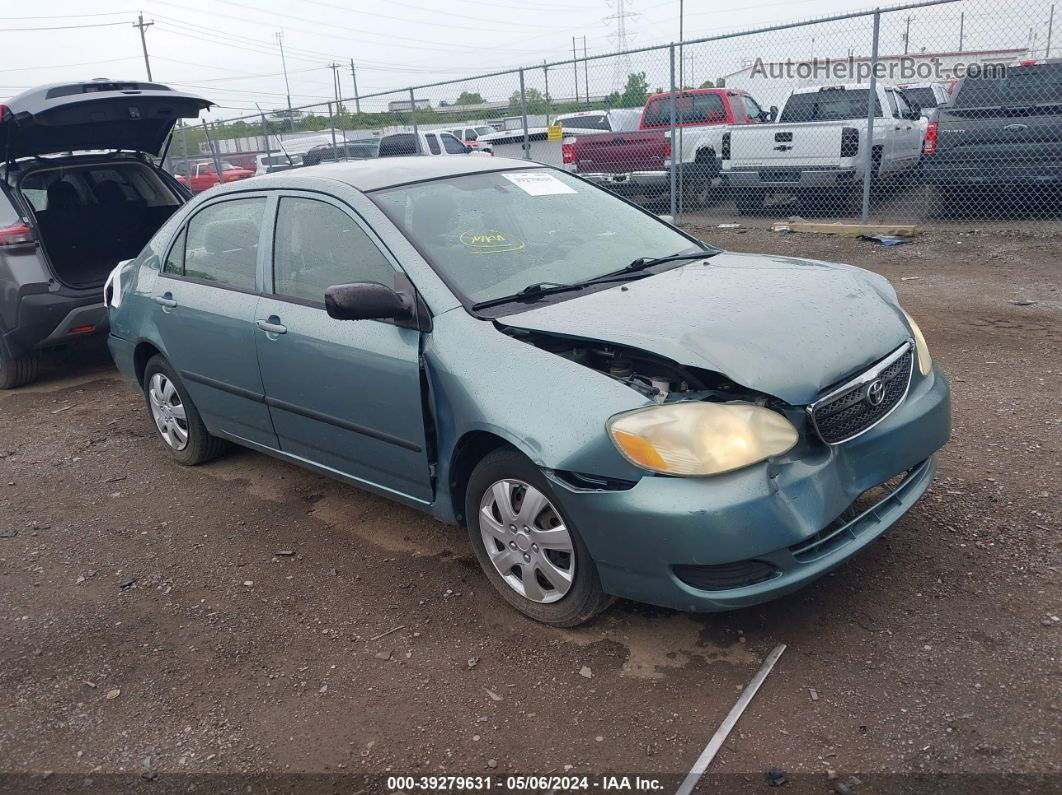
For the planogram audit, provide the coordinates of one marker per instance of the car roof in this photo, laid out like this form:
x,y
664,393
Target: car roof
x,y
387,172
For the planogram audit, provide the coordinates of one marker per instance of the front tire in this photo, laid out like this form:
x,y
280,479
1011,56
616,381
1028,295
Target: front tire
x,y
527,546
176,418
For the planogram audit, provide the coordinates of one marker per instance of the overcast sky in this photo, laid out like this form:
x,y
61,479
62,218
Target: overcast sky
x,y
227,50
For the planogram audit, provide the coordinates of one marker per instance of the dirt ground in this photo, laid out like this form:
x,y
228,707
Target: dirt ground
x,y
149,623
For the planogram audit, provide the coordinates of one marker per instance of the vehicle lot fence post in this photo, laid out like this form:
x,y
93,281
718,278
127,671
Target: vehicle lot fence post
x,y
184,149
671,133
213,152
523,117
413,115
332,124
868,166
265,137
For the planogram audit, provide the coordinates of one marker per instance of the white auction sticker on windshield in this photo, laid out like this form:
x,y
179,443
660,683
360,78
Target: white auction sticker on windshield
x,y
538,183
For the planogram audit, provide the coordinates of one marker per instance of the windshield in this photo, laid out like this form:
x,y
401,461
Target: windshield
x,y
491,235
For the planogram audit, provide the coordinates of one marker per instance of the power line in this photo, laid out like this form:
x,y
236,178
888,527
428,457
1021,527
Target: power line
x,y
67,16
65,65
63,27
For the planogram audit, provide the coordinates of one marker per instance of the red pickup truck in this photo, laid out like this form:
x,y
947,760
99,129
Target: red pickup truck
x,y
638,163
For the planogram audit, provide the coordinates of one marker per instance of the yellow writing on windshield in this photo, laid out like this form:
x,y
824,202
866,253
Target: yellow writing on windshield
x,y
490,241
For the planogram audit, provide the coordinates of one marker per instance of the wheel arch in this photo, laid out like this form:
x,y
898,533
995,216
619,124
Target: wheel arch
x,y
470,449
141,356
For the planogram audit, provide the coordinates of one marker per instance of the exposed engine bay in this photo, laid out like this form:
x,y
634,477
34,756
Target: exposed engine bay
x,y
657,378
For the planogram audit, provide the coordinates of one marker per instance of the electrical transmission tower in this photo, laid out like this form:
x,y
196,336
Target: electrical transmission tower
x,y
623,60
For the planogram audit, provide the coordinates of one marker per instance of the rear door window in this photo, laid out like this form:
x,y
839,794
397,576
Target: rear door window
x,y
175,259
222,243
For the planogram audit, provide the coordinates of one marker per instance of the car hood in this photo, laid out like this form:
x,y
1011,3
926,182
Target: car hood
x,y
783,326
93,115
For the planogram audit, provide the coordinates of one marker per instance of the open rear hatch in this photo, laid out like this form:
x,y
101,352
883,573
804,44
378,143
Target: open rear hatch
x,y
97,114
93,210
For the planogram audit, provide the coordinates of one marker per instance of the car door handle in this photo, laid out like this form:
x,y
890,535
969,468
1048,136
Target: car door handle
x,y
166,300
271,328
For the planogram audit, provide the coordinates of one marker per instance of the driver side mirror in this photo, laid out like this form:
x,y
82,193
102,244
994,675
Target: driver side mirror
x,y
772,114
366,301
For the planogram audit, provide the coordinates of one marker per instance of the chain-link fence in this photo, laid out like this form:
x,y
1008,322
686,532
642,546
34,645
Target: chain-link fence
x,y
901,114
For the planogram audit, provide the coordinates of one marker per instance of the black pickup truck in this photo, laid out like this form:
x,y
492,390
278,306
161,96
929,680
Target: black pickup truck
x,y
1001,131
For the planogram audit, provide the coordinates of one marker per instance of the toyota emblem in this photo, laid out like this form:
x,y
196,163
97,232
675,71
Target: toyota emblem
x,y
876,393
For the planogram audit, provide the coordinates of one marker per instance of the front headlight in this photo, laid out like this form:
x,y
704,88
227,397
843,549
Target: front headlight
x,y
925,362
694,438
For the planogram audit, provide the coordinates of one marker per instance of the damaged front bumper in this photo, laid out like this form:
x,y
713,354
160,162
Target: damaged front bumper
x,y
729,541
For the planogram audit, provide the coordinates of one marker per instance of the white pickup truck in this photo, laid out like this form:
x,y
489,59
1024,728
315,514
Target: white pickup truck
x,y
818,148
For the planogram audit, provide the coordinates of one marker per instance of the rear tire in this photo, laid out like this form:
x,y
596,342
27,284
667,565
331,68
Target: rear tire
x,y
939,201
175,418
557,584
18,371
749,201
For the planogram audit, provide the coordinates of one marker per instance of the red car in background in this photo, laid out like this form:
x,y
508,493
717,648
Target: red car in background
x,y
204,175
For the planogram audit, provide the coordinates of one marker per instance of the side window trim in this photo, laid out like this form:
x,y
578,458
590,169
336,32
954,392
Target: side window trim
x,y
269,277
260,194
178,238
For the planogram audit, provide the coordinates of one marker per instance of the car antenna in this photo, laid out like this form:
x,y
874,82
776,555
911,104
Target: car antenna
x,y
280,141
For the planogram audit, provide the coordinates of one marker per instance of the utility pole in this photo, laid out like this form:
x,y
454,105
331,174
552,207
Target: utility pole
x,y
1050,26
335,80
682,60
586,73
907,37
335,67
545,74
962,25
354,76
140,23
287,87
575,65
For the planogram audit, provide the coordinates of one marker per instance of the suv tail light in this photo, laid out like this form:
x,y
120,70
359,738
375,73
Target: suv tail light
x,y
567,154
929,146
19,234
724,148
849,142
667,148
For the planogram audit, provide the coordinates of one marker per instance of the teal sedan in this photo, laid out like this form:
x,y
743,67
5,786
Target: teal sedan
x,y
610,406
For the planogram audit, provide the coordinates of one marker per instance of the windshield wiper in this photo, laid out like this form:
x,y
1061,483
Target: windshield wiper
x,y
642,263
532,291
633,270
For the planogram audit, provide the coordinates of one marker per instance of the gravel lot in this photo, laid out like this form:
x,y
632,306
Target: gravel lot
x,y
152,612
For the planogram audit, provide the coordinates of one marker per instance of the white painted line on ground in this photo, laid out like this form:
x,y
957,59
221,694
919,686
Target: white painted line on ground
x,y
714,744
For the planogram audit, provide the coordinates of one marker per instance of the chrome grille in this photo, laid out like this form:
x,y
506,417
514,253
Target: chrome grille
x,y
866,400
